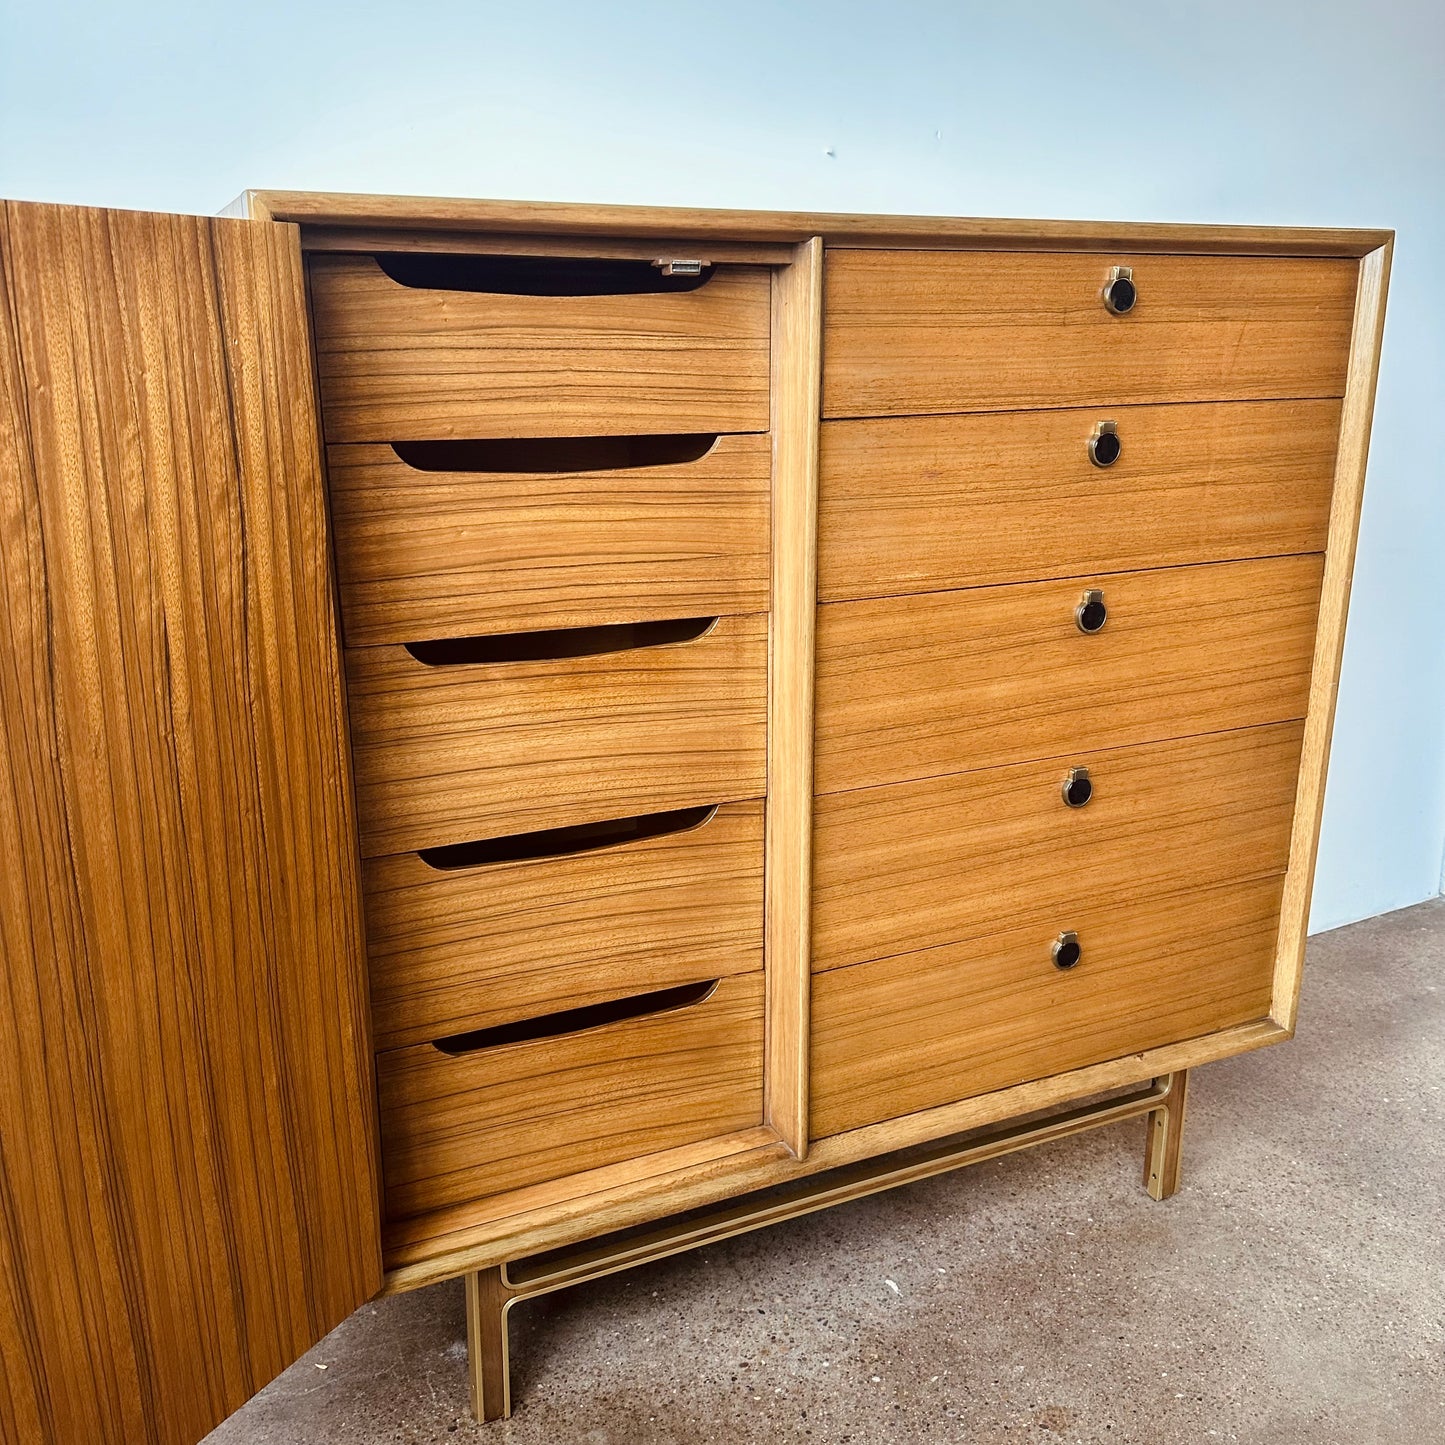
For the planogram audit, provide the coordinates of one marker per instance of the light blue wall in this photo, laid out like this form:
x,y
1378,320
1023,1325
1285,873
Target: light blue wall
x,y
1328,113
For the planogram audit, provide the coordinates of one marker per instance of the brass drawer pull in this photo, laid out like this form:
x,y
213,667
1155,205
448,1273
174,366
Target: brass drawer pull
x,y
574,1020
1120,293
1078,788
565,842
556,643
536,275
1104,445
1066,951
1091,614
547,455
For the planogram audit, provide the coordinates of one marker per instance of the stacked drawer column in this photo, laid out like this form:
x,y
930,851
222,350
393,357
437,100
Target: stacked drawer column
x,y
550,484
1070,554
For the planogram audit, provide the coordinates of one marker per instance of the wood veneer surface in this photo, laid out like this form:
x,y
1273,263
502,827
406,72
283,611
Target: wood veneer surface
x,y
187,1171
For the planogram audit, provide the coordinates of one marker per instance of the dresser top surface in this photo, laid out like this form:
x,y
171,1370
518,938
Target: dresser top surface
x,y
327,210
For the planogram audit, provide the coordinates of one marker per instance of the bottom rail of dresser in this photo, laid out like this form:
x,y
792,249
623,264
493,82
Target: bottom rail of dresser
x,y
491,1292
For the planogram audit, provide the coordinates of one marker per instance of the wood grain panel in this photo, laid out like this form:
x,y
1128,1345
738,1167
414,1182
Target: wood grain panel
x,y
919,1030
502,243
914,865
466,1126
469,948
797,339
920,504
422,554
1374,284
909,687
448,754
938,331
187,1171
403,363
327,209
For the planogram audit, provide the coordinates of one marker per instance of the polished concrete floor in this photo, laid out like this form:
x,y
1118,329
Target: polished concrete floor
x,y
1292,1293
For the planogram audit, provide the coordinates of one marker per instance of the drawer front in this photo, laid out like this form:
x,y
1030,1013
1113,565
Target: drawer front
x,y
421,552
916,865
935,331
450,753
456,1127
485,943
910,687
920,504
410,362
908,1033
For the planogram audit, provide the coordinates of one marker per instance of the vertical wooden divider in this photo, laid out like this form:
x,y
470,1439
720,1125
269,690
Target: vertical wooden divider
x,y
1350,458
796,391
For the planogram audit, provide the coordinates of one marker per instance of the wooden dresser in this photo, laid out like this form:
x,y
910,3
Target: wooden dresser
x,y
541,736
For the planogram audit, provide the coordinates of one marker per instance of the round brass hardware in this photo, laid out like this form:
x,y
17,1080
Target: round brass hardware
x,y
1066,950
1078,789
1091,614
1104,445
1120,293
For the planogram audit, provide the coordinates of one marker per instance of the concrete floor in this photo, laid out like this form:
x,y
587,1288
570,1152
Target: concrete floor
x,y
1292,1293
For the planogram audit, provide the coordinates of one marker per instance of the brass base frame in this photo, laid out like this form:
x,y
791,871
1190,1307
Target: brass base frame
x,y
491,1293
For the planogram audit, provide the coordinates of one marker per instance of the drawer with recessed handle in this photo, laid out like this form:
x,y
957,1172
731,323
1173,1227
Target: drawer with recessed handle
x,y
1062,987
503,1107
534,533
461,739
432,346
941,682
488,932
908,332
922,504
938,861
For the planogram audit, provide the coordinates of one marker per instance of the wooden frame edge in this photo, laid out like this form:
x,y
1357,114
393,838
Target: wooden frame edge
x,y
637,1202
1351,455
423,213
711,251
797,340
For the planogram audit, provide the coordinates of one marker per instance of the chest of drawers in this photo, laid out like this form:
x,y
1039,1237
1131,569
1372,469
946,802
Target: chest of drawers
x,y
693,718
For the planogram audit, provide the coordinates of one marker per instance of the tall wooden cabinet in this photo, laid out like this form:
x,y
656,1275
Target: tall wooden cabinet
x,y
539,736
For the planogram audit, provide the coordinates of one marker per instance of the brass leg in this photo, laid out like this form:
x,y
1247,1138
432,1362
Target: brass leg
x,y
1165,1137
487,1373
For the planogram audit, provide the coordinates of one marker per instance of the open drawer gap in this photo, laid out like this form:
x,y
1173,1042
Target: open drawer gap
x,y
564,842
575,1020
558,642
534,275
567,455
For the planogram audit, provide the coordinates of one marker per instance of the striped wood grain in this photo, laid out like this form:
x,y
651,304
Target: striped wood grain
x,y
404,363
455,753
913,865
433,553
919,1030
923,504
939,331
938,683
187,1172
465,949
462,1127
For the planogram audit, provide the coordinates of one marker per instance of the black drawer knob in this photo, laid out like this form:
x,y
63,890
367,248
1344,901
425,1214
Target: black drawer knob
x,y
1091,614
1120,293
1104,445
1066,950
1078,788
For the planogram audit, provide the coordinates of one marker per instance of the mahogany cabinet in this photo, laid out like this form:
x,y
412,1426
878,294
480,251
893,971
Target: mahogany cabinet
x,y
538,736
